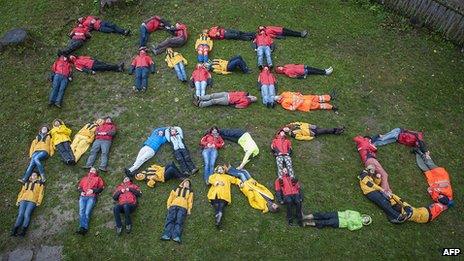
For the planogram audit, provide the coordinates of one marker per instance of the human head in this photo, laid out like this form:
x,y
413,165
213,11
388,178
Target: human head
x,y
185,183
99,122
80,25
214,130
169,51
93,170
205,31
143,50
219,169
281,133
44,129
265,68
126,180
57,122
172,131
177,25
366,219
279,69
72,58
286,129
80,20
34,176
252,98
261,28
273,207
108,119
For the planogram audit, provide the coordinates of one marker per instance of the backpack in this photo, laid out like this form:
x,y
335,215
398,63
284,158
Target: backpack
x,y
410,138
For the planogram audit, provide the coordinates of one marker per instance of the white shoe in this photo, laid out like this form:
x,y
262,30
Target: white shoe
x,y
329,71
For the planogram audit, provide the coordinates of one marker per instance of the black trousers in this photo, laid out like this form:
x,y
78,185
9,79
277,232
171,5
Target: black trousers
x,y
72,46
64,148
232,34
311,70
184,159
172,172
100,66
380,200
219,205
293,204
326,219
288,32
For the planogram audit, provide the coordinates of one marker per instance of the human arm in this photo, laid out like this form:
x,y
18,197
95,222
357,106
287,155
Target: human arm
x,y
189,203
172,195
32,147
40,191
136,191
20,195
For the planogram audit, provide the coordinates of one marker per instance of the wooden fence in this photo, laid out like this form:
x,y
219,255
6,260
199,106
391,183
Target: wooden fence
x,y
444,16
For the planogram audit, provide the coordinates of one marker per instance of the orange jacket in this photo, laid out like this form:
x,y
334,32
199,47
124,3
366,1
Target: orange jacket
x,y
439,183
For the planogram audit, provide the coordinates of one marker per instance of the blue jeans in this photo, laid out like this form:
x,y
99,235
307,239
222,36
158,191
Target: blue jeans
x,y
24,214
387,138
143,35
209,157
237,62
85,210
180,71
242,174
141,77
200,88
264,50
108,27
36,161
174,222
268,93
59,84
127,209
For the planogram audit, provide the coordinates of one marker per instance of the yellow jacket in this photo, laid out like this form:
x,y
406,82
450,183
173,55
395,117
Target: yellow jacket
x,y
60,134
204,39
31,191
88,131
221,190
181,197
175,59
256,194
153,174
45,145
220,66
369,184
301,131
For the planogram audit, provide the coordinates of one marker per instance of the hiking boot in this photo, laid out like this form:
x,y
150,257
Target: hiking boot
x,y
128,229
121,67
14,231
128,172
127,32
23,232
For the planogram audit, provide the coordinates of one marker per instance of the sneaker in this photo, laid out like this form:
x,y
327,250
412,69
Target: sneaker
x,y
165,238
177,240
118,231
329,71
127,32
128,229
218,218
304,33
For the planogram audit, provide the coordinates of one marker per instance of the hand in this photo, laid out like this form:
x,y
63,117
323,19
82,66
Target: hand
x,y
82,193
240,184
256,50
90,191
70,79
123,190
188,213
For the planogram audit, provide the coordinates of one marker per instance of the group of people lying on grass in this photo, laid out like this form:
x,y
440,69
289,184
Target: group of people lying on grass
x,y
98,135
373,180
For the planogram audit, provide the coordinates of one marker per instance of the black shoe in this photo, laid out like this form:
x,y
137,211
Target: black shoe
x,y
128,229
103,169
23,232
339,131
291,223
71,162
58,105
86,167
273,105
335,109
260,67
121,67
14,231
81,231
127,32
50,104
128,173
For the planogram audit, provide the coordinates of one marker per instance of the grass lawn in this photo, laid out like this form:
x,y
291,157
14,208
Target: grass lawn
x,y
386,74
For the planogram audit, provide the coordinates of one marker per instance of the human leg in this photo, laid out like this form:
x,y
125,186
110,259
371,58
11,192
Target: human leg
x,y
387,138
105,149
145,153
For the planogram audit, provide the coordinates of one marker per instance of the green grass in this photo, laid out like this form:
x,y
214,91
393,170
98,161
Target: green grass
x,y
386,75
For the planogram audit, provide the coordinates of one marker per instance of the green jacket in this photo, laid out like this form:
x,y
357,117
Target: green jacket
x,y
350,219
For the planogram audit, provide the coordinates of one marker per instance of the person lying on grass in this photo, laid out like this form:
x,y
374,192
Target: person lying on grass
x,y
150,25
175,136
90,65
41,148
84,138
289,193
267,84
78,36
244,139
210,143
59,77
125,195
104,138
30,197
219,192
203,46
221,33
238,99
414,139
97,24
293,101
156,173
90,186
179,204
177,62
350,219
179,32
301,71
281,32
224,67
306,131
263,45
61,138
281,148
200,79
148,150
142,65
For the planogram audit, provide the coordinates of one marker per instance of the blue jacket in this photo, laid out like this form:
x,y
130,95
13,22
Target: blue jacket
x,y
155,141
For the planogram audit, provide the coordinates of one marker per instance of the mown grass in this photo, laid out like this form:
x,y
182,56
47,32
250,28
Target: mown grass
x,y
385,77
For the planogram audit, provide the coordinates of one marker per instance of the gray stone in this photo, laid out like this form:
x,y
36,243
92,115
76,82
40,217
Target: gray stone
x,y
20,254
49,253
14,36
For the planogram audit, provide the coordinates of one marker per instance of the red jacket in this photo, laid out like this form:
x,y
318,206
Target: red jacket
x,y
294,70
83,62
80,33
263,40
365,148
108,128
200,74
218,142
266,78
288,188
142,60
181,30
274,31
91,181
92,22
153,24
128,197
239,99
60,66
213,33
281,145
